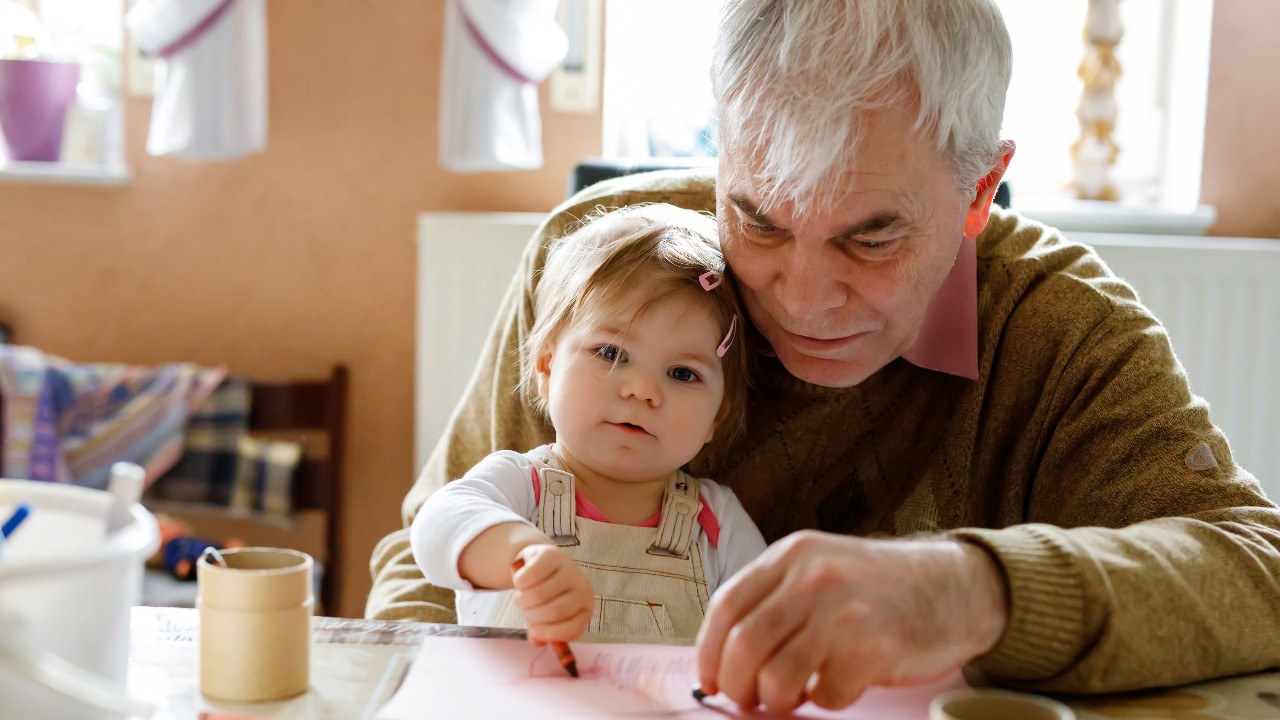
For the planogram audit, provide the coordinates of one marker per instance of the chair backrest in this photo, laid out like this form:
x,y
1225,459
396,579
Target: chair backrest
x,y
6,335
311,413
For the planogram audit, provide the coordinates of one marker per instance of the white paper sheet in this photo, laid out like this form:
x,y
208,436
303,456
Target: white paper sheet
x,y
490,678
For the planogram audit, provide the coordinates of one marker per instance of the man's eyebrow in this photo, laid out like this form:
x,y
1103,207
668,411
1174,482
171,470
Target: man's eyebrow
x,y
749,209
879,222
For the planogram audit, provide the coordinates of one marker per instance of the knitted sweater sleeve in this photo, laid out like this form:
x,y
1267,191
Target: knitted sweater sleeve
x,y
1149,558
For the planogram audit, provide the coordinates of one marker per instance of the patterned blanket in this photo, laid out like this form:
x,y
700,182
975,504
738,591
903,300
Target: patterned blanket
x,y
68,422
224,465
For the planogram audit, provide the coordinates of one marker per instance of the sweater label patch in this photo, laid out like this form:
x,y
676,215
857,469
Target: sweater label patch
x,y
1201,458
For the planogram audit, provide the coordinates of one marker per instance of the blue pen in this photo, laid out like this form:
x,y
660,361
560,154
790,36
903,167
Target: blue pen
x,y
19,514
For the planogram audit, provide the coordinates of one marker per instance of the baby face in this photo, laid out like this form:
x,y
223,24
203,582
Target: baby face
x,y
633,397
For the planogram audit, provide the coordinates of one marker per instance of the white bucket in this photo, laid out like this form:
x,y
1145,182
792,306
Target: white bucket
x,y
66,589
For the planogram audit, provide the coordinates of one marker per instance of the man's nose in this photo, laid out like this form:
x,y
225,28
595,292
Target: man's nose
x,y
806,285
642,386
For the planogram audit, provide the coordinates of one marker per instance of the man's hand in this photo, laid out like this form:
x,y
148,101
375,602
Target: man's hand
x,y
554,594
823,617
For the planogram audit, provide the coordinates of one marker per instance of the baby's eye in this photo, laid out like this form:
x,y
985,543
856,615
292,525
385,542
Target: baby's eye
x,y
682,374
611,353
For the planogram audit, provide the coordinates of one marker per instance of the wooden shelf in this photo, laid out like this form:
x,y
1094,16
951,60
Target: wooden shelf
x,y
64,173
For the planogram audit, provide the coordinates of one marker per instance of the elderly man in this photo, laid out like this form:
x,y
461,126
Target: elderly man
x,y
1068,517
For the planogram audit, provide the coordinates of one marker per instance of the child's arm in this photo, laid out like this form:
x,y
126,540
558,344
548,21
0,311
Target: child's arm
x,y
498,491
468,534
552,591
486,561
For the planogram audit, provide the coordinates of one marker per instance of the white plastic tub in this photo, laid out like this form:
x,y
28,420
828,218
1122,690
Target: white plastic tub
x,y
66,588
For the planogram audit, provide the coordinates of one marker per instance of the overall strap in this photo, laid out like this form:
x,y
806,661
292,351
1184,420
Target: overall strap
x,y
558,509
680,507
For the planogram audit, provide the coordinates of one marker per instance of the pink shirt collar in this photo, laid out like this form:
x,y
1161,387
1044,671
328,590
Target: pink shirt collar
x,y
948,339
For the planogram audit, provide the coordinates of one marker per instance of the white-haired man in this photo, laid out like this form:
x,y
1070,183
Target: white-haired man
x,y
975,382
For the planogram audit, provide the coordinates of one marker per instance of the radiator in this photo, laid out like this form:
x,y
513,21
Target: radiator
x,y
465,262
1218,297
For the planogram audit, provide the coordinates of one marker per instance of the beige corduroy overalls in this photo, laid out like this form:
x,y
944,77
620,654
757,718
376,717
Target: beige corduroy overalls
x,y
648,582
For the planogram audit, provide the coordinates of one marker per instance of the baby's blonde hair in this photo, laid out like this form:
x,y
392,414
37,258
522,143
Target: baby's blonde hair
x,y
658,247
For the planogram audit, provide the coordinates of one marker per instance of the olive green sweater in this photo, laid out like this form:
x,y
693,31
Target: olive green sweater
x,y
1136,552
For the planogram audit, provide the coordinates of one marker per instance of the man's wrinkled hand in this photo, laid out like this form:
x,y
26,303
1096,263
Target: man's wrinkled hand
x,y
823,617
553,593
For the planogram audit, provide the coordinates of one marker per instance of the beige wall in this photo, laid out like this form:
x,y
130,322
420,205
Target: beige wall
x,y
284,263
1242,125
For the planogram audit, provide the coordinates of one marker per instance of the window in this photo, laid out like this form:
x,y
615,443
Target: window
x,y
77,49
1164,56
657,99
657,83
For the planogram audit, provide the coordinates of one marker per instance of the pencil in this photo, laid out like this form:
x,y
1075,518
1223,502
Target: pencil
x,y
567,660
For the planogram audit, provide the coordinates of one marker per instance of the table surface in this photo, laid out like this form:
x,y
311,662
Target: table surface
x,y
353,663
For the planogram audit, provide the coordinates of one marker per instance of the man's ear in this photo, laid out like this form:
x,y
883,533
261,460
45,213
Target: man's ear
x,y
542,371
980,209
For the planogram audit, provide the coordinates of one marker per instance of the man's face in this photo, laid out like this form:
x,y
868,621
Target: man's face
x,y
842,292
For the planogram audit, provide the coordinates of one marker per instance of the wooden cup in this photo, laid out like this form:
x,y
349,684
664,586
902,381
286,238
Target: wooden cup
x,y
255,624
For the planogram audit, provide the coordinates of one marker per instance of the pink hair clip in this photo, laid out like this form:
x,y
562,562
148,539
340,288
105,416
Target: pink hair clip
x,y
710,280
728,337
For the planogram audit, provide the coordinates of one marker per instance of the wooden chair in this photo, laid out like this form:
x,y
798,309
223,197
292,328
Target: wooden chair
x,y
312,414
6,336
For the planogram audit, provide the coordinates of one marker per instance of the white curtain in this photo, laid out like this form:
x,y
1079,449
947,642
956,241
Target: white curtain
x,y
495,54
211,82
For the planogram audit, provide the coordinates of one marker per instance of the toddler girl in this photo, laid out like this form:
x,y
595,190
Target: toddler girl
x,y
635,358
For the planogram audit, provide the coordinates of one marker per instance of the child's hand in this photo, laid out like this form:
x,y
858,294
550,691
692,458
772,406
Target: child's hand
x,y
553,592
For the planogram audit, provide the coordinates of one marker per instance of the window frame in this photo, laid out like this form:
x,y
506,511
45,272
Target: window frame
x,y
1180,91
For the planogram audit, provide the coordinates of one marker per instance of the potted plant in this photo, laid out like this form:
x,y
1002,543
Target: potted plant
x,y
35,91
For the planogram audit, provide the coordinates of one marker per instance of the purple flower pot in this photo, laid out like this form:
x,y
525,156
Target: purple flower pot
x,y
34,97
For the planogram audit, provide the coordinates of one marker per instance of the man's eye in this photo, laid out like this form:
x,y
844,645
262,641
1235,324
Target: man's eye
x,y
682,374
874,247
610,353
761,230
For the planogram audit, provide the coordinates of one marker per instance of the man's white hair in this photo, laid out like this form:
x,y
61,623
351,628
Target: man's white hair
x,y
792,79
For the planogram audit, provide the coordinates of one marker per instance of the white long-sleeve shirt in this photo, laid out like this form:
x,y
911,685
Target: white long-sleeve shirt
x,y
499,490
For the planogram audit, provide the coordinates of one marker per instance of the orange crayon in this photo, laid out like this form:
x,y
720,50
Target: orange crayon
x,y
567,660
